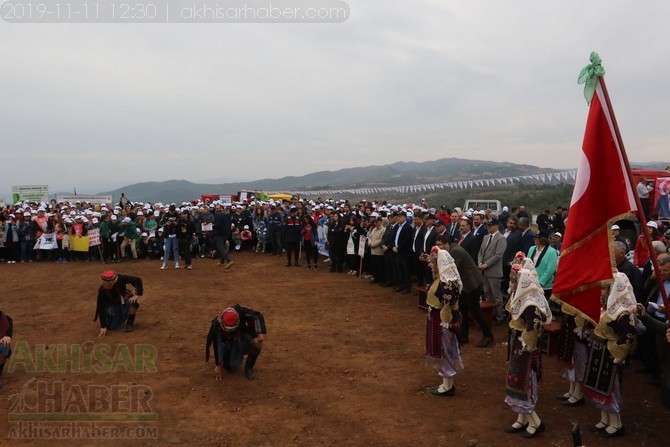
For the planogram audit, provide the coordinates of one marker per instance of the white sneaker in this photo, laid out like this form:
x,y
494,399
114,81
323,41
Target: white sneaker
x,y
188,267
163,267
176,266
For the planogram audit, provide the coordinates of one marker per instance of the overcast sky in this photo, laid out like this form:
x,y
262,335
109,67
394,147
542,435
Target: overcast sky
x,y
100,106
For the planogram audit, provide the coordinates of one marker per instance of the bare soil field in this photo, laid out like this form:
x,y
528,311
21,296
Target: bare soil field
x,y
342,365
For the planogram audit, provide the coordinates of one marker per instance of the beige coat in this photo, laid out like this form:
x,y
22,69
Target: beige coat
x,y
376,241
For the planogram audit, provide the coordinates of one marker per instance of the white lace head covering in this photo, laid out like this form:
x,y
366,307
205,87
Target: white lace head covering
x,y
621,298
446,266
528,293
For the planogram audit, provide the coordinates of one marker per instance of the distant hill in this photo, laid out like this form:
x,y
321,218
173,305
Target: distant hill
x,y
534,196
396,174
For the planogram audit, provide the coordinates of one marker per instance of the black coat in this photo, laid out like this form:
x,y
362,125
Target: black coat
x,y
471,245
222,224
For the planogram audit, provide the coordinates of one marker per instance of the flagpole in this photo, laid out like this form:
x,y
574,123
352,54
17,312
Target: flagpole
x,y
640,212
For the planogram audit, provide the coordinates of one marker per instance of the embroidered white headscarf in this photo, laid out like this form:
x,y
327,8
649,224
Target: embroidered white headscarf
x,y
446,266
528,293
621,298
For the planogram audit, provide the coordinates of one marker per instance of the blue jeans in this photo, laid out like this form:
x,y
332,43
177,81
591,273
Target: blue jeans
x,y
171,244
27,250
221,248
118,314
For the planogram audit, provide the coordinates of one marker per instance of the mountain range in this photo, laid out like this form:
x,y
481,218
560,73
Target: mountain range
x,y
395,174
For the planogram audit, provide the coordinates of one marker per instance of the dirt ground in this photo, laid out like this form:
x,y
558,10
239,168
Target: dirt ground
x,y
342,365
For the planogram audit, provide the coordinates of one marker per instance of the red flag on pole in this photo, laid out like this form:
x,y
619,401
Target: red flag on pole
x,y
603,194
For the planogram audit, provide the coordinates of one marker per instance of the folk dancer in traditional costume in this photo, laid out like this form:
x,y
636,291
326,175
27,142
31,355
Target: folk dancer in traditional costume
x,y
573,349
443,320
613,337
237,331
529,312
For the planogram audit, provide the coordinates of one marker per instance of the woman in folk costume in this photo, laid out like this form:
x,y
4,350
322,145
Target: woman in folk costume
x,y
443,321
613,337
529,312
574,339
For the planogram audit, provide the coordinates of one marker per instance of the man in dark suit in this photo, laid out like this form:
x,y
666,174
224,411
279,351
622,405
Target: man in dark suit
x,y
490,264
468,241
428,242
513,236
418,266
402,254
387,243
454,226
479,228
473,283
441,228
222,225
527,236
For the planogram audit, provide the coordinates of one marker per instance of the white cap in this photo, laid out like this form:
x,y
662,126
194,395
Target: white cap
x,y
652,224
246,227
615,227
95,220
558,234
144,234
505,208
126,219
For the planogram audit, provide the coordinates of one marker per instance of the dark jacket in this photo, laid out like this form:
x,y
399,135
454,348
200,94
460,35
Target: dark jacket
x,y
471,276
222,224
292,230
527,241
251,324
170,222
115,296
513,246
6,325
404,239
471,245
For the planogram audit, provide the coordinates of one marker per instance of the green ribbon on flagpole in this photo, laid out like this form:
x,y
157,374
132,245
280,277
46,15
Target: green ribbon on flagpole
x,y
589,76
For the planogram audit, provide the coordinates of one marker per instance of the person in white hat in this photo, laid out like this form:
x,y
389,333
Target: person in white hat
x,y
10,239
641,254
130,237
27,229
246,237
616,236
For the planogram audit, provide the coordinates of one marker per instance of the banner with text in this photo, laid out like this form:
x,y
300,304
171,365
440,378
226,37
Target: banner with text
x,y
99,199
30,193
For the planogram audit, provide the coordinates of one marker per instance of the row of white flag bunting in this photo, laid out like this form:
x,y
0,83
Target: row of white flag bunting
x,y
552,177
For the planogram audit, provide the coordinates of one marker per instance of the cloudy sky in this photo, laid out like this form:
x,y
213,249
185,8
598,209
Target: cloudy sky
x,y
99,106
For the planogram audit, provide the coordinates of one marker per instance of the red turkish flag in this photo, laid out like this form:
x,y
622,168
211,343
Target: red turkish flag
x,y
603,194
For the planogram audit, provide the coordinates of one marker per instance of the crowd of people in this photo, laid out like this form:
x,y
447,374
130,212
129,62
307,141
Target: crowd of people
x,y
460,257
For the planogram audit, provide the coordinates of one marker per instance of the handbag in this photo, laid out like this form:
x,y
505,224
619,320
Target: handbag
x,y
65,242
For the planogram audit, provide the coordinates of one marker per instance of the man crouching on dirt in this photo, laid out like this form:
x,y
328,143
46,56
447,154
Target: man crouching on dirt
x,y
236,331
6,331
116,304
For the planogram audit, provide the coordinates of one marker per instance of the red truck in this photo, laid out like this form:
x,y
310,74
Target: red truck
x,y
630,226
